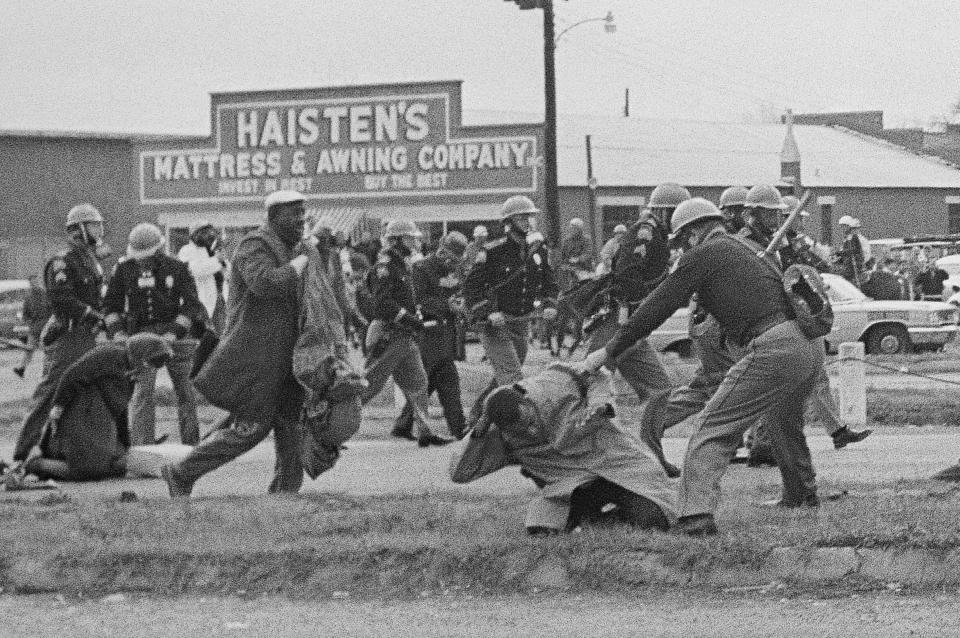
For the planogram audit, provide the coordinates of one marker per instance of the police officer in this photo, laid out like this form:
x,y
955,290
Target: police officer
x,y
641,262
731,205
150,291
765,207
773,376
74,282
508,281
436,285
391,345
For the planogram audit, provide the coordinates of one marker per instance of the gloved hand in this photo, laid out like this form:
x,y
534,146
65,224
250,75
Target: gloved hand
x,y
299,263
549,314
120,337
497,319
594,360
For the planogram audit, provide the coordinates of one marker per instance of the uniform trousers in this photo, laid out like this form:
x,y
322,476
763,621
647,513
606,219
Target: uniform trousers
x,y
442,378
639,364
143,404
242,435
400,358
506,348
58,356
773,379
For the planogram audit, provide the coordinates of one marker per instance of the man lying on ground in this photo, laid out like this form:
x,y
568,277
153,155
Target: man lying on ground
x,y
86,436
560,427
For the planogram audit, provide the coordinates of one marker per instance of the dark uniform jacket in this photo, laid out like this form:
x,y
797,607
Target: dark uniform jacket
x,y
157,296
641,261
510,277
437,342
390,286
74,281
731,284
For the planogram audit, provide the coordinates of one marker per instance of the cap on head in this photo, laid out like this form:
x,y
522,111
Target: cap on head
x,y
734,196
455,243
145,240
83,213
619,228
764,196
503,406
576,222
856,222
691,211
518,205
480,231
145,346
402,228
277,198
847,220
199,224
668,195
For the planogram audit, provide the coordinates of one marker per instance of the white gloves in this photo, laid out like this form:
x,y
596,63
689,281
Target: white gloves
x,y
549,314
497,319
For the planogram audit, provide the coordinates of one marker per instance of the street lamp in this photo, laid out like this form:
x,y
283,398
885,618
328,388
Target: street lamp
x,y
550,199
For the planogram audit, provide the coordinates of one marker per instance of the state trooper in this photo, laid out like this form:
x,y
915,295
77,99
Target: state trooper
x,y
773,376
798,247
510,279
436,285
391,345
74,282
764,209
638,266
150,291
732,206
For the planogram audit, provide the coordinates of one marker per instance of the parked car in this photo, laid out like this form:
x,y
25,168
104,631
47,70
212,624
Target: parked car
x,y
885,327
13,292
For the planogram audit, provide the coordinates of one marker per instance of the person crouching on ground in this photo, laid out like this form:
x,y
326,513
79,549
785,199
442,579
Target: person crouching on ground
x,y
86,436
560,427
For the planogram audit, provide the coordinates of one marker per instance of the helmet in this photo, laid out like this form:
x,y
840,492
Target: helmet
x,y
83,213
281,197
856,222
619,228
733,196
199,224
791,203
668,195
764,196
518,205
503,406
847,220
402,228
144,240
454,242
480,231
576,222
145,346
691,211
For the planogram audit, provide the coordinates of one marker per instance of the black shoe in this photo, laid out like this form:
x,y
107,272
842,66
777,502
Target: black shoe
x,y
697,525
845,436
811,500
428,439
951,474
19,371
176,487
672,470
403,433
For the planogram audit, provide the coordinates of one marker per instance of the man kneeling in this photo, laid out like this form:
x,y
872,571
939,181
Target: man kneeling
x,y
86,436
560,427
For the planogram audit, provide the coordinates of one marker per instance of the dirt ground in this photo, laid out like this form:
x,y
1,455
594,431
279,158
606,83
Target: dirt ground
x,y
652,613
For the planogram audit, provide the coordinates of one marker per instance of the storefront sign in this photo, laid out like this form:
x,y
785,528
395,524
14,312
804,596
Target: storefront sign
x,y
385,144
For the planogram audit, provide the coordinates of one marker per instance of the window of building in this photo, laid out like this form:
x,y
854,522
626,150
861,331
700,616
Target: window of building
x,y
953,218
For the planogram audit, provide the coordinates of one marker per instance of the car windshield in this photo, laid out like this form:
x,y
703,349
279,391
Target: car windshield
x,y
842,291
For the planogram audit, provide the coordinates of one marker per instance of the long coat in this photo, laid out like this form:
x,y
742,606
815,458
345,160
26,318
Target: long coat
x,y
250,373
575,444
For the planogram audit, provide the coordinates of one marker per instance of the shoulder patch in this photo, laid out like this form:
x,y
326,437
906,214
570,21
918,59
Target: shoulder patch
x,y
493,244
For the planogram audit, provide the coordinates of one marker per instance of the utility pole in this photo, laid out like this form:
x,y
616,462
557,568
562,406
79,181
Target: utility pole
x,y
626,102
550,197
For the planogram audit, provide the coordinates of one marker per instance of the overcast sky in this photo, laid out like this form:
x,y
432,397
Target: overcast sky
x,y
149,66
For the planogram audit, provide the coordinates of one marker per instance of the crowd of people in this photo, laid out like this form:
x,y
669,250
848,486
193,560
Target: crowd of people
x,y
265,336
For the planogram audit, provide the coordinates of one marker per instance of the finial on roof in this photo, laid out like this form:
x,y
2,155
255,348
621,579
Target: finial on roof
x,y
790,152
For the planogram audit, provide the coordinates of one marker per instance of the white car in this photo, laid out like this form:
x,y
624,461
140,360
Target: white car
x,y
885,327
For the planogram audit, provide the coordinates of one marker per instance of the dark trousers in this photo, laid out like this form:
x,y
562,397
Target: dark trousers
x,y
602,501
442,378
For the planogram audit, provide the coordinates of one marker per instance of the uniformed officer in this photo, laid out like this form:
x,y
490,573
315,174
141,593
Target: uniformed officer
x,y
436,285
641,262
391,345
508,281
765,207
74,282
731,205
800,248
150,291
775,370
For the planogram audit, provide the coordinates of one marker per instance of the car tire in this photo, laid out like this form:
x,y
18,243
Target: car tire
x,y
889,339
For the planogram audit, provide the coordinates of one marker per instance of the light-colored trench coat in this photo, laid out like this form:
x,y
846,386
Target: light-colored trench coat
x,y
575,446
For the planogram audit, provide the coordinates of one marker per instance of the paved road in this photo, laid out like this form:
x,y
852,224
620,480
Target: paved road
x,y
651,613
